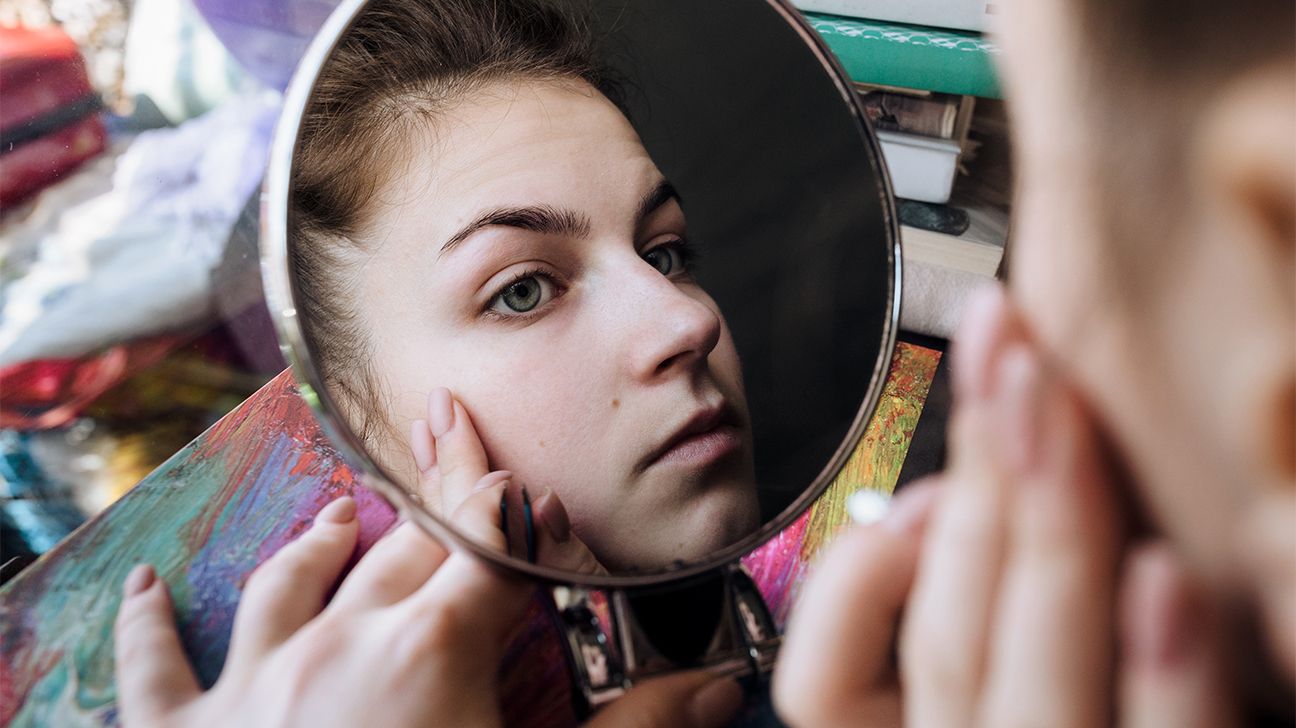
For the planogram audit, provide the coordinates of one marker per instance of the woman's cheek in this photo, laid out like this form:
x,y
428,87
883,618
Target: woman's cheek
x,y
524,436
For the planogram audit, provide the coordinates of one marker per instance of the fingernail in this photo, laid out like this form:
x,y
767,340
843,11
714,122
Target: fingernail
x,y
978,342
490,480
903,512
867,507
552,513
422,446
440,411
1160,620
1022,383
715,703
140,578
342,510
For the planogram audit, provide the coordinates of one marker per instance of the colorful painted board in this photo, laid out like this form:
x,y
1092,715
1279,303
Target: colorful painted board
x,y
250,484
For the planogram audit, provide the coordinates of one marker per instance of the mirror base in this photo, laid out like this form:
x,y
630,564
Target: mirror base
x,y
717,621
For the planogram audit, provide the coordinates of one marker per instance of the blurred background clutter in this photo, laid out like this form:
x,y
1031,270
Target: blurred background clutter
x,y
132,147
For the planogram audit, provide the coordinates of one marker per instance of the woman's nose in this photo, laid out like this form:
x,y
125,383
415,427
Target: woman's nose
x,y
676,331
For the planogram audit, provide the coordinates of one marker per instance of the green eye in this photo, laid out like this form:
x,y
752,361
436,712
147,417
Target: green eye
x,y
667,259
528,292
522,296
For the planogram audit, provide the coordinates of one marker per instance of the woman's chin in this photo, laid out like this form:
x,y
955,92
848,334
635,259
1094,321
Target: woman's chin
x,y
696,535
720,520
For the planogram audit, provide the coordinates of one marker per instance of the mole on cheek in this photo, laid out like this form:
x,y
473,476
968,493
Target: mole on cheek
x,y
541,443
616,403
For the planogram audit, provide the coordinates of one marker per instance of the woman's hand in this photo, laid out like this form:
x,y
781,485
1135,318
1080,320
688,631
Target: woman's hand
x,y
998,584
412,637
452,462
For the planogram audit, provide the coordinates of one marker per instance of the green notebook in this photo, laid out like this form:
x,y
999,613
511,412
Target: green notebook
x,y
911,56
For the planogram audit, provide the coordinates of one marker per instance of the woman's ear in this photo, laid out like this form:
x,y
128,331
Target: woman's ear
x,y
1245,161
1244,173
1244,170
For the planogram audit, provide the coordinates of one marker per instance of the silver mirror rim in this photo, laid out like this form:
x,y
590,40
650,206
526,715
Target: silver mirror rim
x,y
276,275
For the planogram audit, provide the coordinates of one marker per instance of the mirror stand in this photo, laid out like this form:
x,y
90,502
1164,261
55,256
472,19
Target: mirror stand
x,y
717,621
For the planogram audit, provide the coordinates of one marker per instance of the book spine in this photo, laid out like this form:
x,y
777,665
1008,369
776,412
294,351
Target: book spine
x,y
933,116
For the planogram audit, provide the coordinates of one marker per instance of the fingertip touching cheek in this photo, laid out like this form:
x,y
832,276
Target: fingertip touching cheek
x,y
535,262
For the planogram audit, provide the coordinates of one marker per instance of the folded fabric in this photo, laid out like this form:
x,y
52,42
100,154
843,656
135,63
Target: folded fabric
x,y
87,270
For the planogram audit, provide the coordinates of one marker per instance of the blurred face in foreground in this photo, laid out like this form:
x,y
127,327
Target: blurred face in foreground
x,y
1165,291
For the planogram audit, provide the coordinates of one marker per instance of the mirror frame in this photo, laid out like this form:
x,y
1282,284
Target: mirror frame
x,y
276,275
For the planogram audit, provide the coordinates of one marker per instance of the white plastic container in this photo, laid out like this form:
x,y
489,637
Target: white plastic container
x,y
921,168
961,14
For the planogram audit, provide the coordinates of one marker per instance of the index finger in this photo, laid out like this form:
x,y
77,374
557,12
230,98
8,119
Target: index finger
x,y
393,569
1052,652
952,606
460,457
152,673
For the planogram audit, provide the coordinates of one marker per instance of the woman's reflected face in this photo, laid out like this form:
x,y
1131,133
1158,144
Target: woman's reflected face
x,y
530,256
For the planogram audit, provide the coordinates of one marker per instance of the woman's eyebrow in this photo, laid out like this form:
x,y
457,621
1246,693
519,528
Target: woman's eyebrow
x,y
554,221
536,218
656,197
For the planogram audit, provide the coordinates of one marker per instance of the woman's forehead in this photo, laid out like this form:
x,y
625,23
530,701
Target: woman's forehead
x,y
545,144
508,131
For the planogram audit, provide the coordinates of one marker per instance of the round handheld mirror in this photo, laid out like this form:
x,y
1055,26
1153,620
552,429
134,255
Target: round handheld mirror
x,y
603,291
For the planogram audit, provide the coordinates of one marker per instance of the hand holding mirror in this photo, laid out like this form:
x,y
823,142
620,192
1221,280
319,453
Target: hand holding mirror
x,y
602,292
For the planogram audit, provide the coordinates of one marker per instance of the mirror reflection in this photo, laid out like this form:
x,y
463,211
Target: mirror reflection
x,y
559,301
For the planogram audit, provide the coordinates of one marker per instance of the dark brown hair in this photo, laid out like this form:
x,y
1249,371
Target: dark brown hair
x,y
399,65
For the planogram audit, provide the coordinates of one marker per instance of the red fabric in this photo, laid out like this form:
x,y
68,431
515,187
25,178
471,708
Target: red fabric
x,y
41,162
41,71
51,392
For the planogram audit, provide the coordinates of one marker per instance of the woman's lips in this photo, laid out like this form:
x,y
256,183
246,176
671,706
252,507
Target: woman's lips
x,y
702,448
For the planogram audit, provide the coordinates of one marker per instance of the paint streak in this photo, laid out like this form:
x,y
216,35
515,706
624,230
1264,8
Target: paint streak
x,y
253,482
776,568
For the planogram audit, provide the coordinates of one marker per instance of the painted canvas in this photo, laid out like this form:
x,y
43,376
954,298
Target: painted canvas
x,y
218,508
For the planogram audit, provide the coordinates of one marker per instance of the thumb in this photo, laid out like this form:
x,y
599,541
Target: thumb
x,y
153,675
688,700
